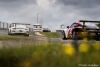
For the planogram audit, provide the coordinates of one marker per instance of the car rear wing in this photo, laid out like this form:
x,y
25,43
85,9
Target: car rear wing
x,y
18,23
89,21
85,21
21,23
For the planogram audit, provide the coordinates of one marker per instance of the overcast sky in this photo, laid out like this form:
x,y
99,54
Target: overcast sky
x,y
52,13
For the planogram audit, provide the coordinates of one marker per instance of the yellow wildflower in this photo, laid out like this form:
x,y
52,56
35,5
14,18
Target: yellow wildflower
x,y
83,47
97,46
85,39
69,49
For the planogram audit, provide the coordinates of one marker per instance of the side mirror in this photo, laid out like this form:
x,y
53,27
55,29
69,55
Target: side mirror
x,y
67,26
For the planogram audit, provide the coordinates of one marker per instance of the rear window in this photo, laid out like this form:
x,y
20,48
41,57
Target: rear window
x,y
20,25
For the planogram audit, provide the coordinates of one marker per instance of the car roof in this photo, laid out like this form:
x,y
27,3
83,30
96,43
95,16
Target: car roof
x,y
36,24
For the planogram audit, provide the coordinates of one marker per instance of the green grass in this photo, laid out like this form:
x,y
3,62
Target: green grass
x,y
51,34
51,55
11,38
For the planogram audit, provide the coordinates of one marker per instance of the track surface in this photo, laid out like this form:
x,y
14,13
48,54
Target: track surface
x,y
5,33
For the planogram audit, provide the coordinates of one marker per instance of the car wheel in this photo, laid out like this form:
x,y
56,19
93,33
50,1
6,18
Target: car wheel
x,y
97,39
26,35
63,36
8,33
74,36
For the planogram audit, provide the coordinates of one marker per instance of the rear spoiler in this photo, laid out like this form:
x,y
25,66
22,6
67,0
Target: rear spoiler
x,y
89,21
21,23
84,21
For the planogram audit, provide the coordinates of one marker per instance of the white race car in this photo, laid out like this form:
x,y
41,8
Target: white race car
x,y
18,28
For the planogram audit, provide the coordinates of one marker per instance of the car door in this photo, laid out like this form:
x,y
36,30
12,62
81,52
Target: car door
x,y
68,31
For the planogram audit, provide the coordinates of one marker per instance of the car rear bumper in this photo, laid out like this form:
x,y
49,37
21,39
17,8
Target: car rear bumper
x,y
17,32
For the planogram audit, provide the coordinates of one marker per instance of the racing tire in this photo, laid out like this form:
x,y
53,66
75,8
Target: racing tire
x,y
63,36
26,35
9,33
74,36
97,39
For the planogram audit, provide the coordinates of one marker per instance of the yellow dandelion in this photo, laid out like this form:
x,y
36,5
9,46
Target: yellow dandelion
x,y
83,47
97,46
69,49
85,39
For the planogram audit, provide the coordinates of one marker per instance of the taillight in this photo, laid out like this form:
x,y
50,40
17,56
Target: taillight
x,y
77,32
26,29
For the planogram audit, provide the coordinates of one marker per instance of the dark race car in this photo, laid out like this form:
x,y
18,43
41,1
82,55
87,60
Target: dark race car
x,y
46,30
79,30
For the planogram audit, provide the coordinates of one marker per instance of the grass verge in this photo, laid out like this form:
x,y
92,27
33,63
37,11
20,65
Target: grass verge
x,y
50,34
11,38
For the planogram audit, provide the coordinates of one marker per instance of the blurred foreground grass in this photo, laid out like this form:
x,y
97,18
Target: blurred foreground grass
x,y
51,55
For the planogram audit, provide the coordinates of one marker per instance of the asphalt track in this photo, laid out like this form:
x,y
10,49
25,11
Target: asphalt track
x,y
3,32
41,38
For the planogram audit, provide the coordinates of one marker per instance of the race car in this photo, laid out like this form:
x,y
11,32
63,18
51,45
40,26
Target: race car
x,y
46,30
78,29
18,28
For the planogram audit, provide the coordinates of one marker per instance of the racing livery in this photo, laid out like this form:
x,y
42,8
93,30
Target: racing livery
x,y
76,30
